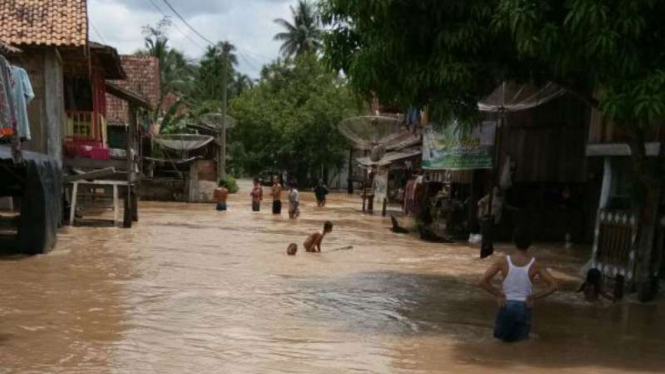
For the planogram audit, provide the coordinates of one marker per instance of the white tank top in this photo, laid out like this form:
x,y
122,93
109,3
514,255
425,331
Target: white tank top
x,y
517,285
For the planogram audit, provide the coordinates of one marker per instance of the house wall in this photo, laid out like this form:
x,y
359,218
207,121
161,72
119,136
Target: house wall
x,y
548,143
46,112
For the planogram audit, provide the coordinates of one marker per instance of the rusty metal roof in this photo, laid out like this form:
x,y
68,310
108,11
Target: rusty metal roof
x,y
44,22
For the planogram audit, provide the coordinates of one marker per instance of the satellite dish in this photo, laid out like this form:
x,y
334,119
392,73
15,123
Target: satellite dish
x,y
377,153
377,134
214,121
183,142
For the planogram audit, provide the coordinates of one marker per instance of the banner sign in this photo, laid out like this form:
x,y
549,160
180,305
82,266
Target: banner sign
x,y
381,184
451,149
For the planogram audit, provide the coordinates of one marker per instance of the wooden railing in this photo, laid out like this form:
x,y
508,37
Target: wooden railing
x,y
81,126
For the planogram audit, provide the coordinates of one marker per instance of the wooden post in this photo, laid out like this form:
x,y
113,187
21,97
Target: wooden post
x,y
72,208
226,49
131,134
116,205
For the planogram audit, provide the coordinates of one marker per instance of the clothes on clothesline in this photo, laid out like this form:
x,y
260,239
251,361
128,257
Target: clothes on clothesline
x,y
7,116
15,94
22,93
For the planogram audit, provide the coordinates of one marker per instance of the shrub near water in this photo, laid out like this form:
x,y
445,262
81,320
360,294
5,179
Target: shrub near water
x,y
231,184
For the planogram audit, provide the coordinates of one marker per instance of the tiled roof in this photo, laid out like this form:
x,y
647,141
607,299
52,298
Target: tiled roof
x,y
142,78
44,22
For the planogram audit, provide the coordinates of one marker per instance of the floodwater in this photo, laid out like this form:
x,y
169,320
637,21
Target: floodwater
x,y
191,290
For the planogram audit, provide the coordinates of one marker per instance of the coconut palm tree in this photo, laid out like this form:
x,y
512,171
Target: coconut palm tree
x,y
304,34
241,83
175,69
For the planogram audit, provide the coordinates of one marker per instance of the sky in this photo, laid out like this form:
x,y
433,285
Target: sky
x,y
248,24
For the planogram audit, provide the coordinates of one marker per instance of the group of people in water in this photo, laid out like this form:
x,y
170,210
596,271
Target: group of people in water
x,y
314,240
518,270
321,191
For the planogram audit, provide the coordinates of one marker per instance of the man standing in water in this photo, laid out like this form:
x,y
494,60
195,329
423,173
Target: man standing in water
x,y
516,299
257,196
220,194
276,196
321,191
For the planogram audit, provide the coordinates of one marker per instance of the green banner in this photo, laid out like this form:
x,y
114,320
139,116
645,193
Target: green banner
x,y
450,149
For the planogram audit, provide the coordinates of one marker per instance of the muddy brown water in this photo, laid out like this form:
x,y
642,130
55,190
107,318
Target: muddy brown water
x,y
191,290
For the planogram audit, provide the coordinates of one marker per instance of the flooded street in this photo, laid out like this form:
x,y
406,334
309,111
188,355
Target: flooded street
x,y
191,290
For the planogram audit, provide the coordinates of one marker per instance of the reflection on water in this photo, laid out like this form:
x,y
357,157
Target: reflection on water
x,y
191,290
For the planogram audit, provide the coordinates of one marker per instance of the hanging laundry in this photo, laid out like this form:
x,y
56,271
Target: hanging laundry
x,y
7,116
22,94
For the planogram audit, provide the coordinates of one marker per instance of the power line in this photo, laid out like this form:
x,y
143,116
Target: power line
x,y
98,33
154,4
185,22
258,58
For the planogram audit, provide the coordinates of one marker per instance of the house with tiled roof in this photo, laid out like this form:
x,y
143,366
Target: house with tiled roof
x,y
142,79
71,77
67,72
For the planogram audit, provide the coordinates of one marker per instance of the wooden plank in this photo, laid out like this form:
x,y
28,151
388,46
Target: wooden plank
x,y
102,183
102,173
90,164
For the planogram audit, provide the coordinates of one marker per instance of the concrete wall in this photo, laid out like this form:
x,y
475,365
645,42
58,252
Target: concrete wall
x,y
46,112
162,190
202,181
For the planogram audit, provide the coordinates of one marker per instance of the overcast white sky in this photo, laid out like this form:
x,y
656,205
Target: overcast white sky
x,y
246,23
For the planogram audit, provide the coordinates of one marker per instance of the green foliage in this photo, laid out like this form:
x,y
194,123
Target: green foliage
x,y
208,84
231,184
176,71
173,122
288,120
304,34
450,53
442,54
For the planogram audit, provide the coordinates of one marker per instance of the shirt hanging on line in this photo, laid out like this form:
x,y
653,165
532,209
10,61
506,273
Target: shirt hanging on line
x,y
22,94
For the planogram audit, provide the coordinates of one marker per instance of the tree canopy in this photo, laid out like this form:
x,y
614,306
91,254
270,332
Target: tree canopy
x,y
288,120
450,53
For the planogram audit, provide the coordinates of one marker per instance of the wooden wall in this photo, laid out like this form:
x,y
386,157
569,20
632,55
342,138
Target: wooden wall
x,y
46,112
547,143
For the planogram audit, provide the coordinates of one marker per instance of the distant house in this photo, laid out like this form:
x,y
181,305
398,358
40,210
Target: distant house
x,y
142,79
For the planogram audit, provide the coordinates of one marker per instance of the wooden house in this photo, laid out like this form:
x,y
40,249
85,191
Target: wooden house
x,y
544,147
68,75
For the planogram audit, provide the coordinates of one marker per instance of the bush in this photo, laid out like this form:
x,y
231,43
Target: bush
x,y
231,184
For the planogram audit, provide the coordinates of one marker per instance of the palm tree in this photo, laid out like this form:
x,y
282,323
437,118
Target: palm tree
x,y
241,83
176,71
304,34
227,48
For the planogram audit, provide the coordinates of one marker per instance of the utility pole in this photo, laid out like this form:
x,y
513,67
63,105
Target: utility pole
x,y
221,163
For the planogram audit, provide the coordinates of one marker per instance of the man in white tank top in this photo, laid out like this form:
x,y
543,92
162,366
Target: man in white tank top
x,y
515,299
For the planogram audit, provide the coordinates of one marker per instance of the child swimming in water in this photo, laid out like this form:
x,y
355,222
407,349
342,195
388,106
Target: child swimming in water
x,y
593,287
313,242
292,249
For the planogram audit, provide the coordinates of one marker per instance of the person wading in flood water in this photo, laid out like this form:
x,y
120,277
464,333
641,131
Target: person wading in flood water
x,y
276,196
519,269
257,196
220,194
